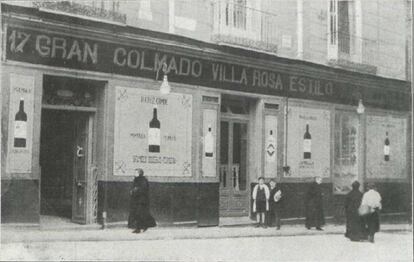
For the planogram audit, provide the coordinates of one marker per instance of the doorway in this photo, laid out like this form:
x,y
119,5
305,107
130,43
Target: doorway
x,y
65,148
234,182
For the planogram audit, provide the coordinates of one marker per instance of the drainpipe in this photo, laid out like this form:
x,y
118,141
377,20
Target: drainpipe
x,y
286,168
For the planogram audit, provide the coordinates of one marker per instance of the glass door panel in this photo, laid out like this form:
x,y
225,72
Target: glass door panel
x,y
224,153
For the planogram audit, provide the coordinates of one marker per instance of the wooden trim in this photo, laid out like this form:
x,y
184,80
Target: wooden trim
x,y
69,108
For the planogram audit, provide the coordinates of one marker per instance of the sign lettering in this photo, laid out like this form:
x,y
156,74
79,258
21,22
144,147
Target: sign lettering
x,y
58,50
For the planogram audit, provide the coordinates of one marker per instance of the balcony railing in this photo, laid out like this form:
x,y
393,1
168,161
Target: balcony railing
x,y
94,9
354,53
241,25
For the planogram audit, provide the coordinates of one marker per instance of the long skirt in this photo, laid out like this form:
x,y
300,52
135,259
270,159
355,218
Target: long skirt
x,y
355,226
140,218
314,216
372,223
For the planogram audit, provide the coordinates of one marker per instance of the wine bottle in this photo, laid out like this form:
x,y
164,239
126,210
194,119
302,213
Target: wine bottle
x,y
307,143
154,133
386,148
20,126
209,143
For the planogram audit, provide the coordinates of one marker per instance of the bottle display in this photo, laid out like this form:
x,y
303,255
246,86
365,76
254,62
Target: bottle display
x,y
20,126
307,143
386,147
154,133
209,143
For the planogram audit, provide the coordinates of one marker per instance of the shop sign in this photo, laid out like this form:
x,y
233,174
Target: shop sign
x,y
19,155
386,147
147,135
59,50
308,142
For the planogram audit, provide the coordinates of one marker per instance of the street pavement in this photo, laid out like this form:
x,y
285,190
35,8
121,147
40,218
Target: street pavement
x,y
240,243
389,246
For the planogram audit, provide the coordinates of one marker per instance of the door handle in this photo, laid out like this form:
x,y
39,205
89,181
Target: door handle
x,y
79,151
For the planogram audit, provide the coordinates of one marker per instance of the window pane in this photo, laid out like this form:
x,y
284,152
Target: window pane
x,y
224,148
346,151
239,172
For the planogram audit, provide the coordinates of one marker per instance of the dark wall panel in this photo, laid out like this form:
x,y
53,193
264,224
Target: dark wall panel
x,y
20,201
208,209
169,202
396,197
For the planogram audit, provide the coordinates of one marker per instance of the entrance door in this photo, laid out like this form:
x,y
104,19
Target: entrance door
x,y
234,196
81,165
65,159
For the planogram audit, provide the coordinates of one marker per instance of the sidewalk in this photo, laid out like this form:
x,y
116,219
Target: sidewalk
x,y
14,235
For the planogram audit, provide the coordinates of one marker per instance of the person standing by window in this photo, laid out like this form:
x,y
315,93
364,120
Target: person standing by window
x,y
372,201
275,206
261,196
139,214
314,205
354,223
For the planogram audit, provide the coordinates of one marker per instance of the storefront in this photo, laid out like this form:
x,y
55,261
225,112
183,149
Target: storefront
x,y
82,111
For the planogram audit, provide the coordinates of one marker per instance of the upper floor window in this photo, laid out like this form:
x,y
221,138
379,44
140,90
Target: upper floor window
x,y
344,35
236,14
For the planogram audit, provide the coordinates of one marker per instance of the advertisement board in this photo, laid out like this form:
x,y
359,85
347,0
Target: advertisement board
x,y
308,152
386,151
19,156
152,132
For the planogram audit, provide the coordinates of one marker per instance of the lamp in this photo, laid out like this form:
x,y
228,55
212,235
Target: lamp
x,y
361,107
165,88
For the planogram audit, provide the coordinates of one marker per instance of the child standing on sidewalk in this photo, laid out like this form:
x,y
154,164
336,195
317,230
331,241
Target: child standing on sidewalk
x,y
261,201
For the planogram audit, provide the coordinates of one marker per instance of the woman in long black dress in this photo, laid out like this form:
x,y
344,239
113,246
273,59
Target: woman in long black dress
x,y
354,223
139,215
314,206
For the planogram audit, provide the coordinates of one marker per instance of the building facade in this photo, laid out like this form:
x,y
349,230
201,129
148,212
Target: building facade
x,y
82,110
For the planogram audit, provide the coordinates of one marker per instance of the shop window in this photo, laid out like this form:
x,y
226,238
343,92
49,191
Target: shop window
x,y
68,92
345,151
234,106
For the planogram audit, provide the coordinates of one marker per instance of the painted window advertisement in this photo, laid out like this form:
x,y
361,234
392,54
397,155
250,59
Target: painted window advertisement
x,y
20,124
345,152
270,146
386,147
152,132
308,152
209,142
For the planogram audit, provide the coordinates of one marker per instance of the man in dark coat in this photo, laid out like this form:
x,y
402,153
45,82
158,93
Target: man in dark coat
x,y
139,214
314,205
354,223
275,204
